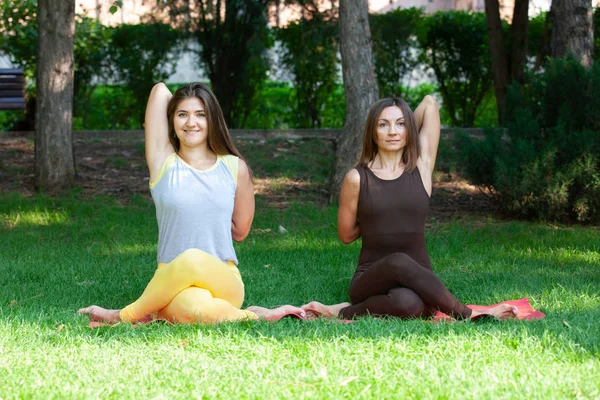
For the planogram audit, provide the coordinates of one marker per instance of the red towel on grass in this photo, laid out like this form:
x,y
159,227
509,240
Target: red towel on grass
x,y
524,310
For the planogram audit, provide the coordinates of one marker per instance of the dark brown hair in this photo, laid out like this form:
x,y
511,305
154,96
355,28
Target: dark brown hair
x,y
369,147
218,138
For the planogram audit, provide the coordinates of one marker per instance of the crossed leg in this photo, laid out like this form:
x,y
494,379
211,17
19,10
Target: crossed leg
x,y
194,287
398,286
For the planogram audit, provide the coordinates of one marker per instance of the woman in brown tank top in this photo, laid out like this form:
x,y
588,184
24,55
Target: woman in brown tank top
x,y
385,200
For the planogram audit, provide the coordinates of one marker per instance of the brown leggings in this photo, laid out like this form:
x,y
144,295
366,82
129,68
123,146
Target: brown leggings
x,y
400,287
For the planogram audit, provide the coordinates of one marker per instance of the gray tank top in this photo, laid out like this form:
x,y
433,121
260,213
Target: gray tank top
x,y
194,208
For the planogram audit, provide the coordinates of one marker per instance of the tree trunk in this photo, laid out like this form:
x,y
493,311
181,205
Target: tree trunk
x,y
518,40
498,53
54,163
573,30
360,85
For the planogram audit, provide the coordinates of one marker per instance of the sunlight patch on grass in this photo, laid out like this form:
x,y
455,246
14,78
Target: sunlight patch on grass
x,y
560,255
39,217
137,248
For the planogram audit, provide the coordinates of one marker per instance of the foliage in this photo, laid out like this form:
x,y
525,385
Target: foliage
x,y
539,34
596,22
454,44
549,166
91,49
234,38
9,118
273,108
141,55
109,108
19,37
310,53
18,33
395,48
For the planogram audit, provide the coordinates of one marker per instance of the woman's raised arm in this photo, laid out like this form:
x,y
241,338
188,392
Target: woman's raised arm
x,y
156,129
427,118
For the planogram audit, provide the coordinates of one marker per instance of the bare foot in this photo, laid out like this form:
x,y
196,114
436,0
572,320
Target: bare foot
x,y
276,314
100,314
316,309
501,311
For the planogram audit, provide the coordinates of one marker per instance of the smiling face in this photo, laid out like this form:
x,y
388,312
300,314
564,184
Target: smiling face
x,y
190,122
390,131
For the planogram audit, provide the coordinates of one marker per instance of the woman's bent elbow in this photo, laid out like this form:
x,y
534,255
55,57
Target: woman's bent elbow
x,y
239,235
346,239
238,238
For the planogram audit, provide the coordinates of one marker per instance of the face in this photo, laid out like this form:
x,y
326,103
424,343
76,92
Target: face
x,y
390,132
190,122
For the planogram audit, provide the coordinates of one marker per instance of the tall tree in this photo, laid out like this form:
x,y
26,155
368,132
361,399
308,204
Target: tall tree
x,y
54,162
507,67
360,85
573,30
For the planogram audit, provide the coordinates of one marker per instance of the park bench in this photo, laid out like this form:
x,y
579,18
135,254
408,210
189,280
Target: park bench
x,y
12,85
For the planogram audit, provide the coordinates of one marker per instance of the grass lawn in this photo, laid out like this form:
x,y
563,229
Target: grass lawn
x,y
58,254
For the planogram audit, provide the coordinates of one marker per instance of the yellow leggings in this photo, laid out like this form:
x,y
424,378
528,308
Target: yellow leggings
x,y
194,287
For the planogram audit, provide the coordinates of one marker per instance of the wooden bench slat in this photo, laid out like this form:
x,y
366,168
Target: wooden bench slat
x,y
12,84
11,93
11,71
12,106
11,99
12,79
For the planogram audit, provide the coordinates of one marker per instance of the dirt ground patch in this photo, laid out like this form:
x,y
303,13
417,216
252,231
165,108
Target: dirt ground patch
x,y
116,167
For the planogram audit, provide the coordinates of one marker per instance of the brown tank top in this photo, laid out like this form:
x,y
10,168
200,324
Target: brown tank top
x,y
391,215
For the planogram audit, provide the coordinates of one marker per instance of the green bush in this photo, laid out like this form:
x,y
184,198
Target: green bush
x,y
454,44
109,108
274,107
310,53
91,51
394,44
141,55
548,167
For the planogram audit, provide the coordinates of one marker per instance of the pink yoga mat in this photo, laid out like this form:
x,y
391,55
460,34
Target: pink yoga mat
x,y
525,312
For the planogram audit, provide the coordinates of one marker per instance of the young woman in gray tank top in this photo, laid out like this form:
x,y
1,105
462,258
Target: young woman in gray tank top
x,y
385,200
204,198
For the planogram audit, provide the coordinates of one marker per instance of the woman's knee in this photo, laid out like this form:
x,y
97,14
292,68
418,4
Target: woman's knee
x,y
407,303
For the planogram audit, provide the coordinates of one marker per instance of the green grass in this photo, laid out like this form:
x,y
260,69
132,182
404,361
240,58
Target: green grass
x,y
58,254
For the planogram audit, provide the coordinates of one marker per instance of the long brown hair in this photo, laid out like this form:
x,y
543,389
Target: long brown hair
x,y
218,138
410,154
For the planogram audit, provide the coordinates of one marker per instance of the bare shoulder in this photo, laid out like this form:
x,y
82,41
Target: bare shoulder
x,y
352,178
243,169
350,186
